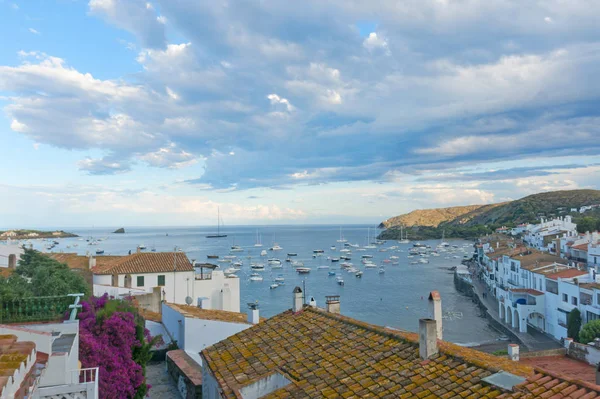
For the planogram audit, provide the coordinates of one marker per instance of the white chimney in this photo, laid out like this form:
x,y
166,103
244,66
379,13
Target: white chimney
x,y
513,352
427,338
332,303
253,316
91,262
312,302
435,311
568,342
298,300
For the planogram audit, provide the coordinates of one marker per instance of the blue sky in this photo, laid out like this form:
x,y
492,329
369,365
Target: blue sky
x,y
127,112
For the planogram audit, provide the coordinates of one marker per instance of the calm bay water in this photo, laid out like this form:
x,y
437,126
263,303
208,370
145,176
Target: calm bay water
x,y
397,298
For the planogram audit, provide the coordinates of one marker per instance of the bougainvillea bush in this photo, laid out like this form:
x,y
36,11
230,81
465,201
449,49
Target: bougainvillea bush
x,y
112,337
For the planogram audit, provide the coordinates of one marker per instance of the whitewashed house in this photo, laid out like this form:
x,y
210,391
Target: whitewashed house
x,y
543,236
174,273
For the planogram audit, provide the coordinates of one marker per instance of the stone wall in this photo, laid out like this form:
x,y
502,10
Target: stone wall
x,y
585,353
185,373
150,301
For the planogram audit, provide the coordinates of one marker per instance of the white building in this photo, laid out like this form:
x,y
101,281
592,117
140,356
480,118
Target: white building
x,y
174,273
542,236
54,363
195,328
9,254
593,255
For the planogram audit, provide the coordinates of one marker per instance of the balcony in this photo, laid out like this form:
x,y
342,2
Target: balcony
x,y
82,383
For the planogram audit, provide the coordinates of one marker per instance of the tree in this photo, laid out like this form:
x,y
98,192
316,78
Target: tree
x,y
574,324
39,275
590,331
587,223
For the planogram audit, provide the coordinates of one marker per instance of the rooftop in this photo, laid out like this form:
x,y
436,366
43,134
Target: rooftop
x,y
565,366
527,291
535,258
146,262
580,247
12,355
568,273
209,314
75,261
327,355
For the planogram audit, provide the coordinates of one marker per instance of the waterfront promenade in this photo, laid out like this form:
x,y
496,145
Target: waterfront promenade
x,y
533,340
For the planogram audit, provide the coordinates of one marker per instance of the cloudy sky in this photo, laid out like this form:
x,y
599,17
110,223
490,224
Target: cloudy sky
x,y
129,112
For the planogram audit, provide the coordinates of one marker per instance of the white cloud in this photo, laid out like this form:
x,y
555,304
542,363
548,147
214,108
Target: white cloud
x,y
169,157
18,126
276,100
375,42
35,32
102,166
172,94
548,20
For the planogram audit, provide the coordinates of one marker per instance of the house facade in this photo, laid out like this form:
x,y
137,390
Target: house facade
x,y
543,236
178,279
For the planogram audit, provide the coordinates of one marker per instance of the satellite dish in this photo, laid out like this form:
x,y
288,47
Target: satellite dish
x,y
188,300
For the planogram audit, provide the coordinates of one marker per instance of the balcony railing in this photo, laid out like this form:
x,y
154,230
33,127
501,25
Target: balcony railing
x,y
82,383
34,309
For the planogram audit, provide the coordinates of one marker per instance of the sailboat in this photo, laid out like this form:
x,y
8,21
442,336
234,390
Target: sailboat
x,y
444,244
342,239
258,240
404,240
369,245
218,235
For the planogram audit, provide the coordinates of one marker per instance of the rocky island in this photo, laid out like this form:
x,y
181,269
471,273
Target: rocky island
x,y
119,231
22,234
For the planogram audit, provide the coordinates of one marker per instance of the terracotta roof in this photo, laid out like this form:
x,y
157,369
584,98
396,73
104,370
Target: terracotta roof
x,y
590,286
12,355
580,247
331,356
209,314
187,365
535,258
568,273
527,291
564,366
5,272
146,262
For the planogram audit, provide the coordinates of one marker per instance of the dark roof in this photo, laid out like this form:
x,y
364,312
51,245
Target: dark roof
x,y
146,262
324,355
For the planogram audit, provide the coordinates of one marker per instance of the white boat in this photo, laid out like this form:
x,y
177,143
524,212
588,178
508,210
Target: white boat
x,y
141,246
422,260
367,256
257,266
335,259
224,261
231,270
276,266
229,257
256,277
345,250
297,263
333,248
258,240
404,240
218,234
370,266
236,248
273,286
359,274
342,239
275,247
274,262
99,251
279,279
303,270
237,264
323,267
381,270
339,280
263,253
346,264
394,257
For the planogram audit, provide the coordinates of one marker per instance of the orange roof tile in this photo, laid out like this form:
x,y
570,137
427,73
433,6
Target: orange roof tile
x,y
146,262
568,273
13,354
209,314
580,247
324,355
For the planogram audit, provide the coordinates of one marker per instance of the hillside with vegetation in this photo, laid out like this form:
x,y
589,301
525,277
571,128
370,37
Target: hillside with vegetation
x,y
476,220
22,234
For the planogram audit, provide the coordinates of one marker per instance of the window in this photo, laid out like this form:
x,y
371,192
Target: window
x,y
161,280
592,316
574,300
565,297
140,281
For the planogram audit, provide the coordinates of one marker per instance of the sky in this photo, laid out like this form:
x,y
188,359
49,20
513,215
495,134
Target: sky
x,y
160,112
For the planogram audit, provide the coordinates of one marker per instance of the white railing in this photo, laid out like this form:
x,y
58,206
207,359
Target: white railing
x,y
82,383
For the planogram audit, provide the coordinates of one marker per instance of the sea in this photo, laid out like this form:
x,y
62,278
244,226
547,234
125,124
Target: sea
x,y
396,298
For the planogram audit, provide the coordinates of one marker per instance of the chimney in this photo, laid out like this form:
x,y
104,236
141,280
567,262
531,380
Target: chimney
x,y
568,342
138,250
513,352
332,303
427,338
91,261
253,317
298,300
12,261
435,310
312,302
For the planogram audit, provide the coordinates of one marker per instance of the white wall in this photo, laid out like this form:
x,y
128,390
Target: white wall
x,y
174,323
228,300
210,387
116,292
200,334
103,279
9,249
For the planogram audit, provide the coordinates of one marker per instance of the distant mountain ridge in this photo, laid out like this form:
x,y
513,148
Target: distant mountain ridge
x,y
456,221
